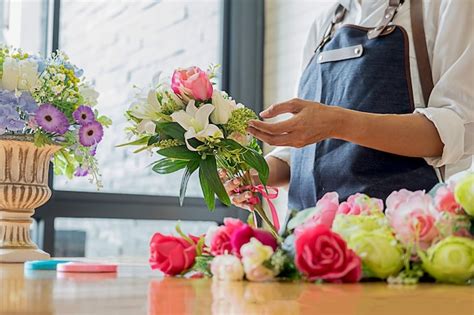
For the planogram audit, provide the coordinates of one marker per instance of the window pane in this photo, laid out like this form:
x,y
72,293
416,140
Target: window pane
x,y
120,44
114,237
23,24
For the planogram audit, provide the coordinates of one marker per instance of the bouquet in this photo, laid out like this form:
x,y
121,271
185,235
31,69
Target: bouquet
x,y
49,100
196,127
419,237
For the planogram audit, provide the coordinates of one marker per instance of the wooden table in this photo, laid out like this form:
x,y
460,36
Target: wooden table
x,y
138,290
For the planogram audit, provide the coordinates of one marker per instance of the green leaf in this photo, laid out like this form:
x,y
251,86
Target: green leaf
x,y
253,158
168,165
172,129
153,139
207,190
256,161
208,167
183,235
191,167
180,152
141,141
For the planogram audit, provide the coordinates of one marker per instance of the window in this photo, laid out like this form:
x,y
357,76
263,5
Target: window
x,y
120,44
24,24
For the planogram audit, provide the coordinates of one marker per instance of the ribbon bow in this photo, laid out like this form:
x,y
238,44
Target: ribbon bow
x,y
268,194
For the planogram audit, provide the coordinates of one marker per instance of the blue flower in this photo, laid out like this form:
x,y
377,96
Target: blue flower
x,y
24,102
10,119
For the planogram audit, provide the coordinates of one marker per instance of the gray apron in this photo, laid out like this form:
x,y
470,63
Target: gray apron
x,y
367,70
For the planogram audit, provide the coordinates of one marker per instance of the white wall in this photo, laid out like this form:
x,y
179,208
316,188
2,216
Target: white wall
x,y
287,23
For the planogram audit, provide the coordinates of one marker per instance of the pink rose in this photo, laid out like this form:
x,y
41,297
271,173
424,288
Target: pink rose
x,y
323,255
445,201
245,233
192,82
221,240
453,224
171,255
326,209
361,204
413,217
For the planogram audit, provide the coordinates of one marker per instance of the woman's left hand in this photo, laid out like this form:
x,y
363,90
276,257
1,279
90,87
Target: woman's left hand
x,y
312,122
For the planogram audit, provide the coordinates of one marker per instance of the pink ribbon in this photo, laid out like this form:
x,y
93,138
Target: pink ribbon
x,y
268,194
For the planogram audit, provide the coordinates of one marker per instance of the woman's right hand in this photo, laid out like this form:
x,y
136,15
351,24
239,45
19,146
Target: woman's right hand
x,y
239,197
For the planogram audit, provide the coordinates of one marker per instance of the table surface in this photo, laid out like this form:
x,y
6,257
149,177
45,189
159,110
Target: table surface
x,y
135,289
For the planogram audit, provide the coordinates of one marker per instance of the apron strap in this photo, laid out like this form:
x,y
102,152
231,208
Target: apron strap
x,y
338,17
388,16
421,50
422,58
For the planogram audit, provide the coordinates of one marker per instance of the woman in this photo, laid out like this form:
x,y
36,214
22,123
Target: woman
x,y
363,120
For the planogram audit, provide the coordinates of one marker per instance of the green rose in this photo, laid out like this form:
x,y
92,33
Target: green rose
x,y
451,260
348,225
464,193
380,252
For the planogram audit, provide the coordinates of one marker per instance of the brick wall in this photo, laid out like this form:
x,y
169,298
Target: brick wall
x,y
120,44
124,43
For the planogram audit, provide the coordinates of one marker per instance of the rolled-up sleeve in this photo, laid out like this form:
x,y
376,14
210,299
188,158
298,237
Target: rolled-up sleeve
x,y
281,153
451,104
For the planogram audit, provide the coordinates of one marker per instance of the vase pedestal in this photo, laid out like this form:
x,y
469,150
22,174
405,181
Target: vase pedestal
x,y
16,255
23,187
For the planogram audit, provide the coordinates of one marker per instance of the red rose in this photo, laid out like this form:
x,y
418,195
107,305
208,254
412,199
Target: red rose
x,y
220,242
245,233
323,255
171,255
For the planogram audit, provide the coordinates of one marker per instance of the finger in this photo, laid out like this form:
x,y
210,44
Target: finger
x,y
222,174
242,198
231,185
293,106
278,140
282,127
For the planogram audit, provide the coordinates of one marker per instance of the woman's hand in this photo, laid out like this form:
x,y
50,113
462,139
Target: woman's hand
x,y
233,187
311,122
412,135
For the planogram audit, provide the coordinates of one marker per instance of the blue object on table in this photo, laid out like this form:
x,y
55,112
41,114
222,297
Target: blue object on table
x,y
44,264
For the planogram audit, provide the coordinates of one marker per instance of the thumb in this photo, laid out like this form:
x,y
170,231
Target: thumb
x,y
292,106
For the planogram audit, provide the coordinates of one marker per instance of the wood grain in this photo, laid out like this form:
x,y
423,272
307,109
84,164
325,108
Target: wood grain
x,y
138,290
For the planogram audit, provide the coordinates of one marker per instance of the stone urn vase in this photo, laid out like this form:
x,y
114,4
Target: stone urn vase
x,y
23,187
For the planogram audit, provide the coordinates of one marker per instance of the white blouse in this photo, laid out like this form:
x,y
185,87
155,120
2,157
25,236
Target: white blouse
x,y
450,38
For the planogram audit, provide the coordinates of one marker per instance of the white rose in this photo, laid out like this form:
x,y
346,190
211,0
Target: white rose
x,y
223,108
227,268
254,254
11,74
28,77
89,94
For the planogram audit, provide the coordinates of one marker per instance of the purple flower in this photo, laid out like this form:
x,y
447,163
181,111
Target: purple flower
x,y
91,134
81,172
83,115
51,119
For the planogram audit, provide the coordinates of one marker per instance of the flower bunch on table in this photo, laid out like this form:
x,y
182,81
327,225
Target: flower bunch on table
x,y
413,236
196,127
49,99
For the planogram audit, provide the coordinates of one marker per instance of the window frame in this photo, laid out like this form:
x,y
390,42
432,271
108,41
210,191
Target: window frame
x,y
244,53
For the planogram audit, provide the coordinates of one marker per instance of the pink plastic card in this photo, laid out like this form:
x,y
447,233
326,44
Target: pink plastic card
x,y
86,267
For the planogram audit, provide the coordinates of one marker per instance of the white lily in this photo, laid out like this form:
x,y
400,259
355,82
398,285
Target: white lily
x,y
196,123
149,108
224,108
